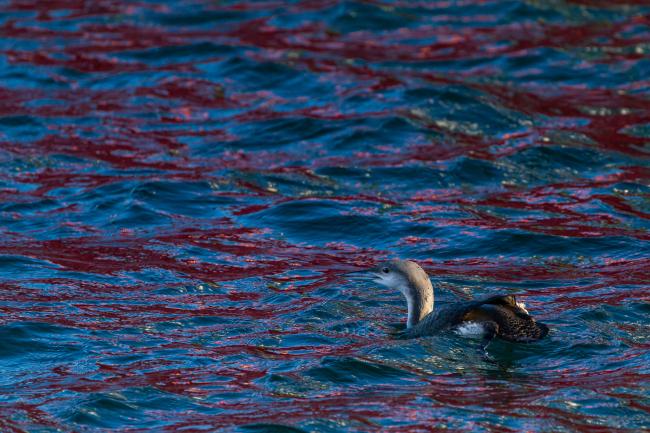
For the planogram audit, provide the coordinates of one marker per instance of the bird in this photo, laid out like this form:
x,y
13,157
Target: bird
x,y
496,316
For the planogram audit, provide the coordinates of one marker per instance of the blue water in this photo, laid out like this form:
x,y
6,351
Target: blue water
x,y
183,184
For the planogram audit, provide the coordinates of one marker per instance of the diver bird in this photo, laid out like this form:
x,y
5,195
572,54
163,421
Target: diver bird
x,y
497,316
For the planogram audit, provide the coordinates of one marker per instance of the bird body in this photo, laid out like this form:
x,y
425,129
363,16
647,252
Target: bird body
x,y
497,316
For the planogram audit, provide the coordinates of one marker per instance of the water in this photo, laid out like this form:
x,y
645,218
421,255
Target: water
x,y
182,184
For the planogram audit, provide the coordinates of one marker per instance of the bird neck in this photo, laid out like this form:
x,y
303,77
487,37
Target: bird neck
x,y
419,301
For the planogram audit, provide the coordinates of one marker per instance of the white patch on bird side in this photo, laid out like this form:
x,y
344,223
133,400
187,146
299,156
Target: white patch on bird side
x,y
522,306
470,329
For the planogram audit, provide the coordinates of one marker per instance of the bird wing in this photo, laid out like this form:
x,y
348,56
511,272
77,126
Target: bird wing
x,y
513,322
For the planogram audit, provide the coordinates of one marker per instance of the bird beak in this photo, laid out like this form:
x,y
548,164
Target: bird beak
x,y
363,275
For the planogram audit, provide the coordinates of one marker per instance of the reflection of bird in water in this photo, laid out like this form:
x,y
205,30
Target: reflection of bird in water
x,y
497,316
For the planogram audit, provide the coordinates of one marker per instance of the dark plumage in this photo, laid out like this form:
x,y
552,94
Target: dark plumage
x,y
497,316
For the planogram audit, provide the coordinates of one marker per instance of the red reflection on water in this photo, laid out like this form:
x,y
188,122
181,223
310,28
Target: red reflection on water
x,y
203,307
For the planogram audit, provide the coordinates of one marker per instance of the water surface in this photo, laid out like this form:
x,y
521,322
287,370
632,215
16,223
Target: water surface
x,y
182,184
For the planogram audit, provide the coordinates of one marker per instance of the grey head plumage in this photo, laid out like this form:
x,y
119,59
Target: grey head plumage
x,y
407,277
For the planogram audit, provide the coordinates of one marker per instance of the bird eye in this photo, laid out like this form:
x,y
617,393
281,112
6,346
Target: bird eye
x,y
385,270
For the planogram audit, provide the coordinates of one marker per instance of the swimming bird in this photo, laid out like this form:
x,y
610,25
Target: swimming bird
x,y
497,316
